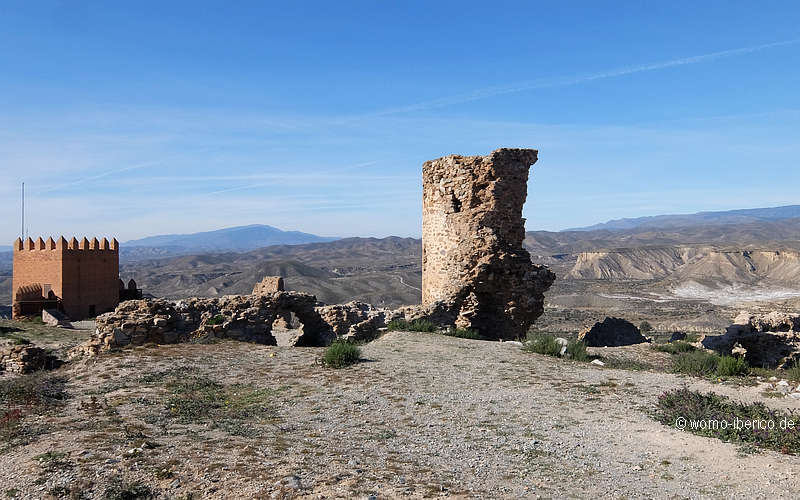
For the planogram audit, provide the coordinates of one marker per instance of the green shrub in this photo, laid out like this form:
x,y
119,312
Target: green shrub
x,y
543,344
576,350
698,363
217,320
462,333
341,354
674,347
645,327
123,490
731,366
793,373
716,416
418,325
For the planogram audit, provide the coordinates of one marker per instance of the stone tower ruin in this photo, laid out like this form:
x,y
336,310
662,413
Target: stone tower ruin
x,y
473,262
80,278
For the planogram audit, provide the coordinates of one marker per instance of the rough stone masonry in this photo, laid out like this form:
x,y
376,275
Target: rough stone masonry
x,y
473,261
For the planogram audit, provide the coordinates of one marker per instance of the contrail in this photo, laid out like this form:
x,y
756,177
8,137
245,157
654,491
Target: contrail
x,y
100,176
573,80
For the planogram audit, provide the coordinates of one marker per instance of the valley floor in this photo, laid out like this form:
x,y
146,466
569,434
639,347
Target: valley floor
x,y
423,415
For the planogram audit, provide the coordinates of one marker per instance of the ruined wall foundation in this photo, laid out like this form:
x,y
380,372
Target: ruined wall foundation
x,y
473,261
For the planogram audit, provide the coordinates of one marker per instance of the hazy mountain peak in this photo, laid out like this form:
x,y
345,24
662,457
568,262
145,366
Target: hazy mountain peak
x,y
740,216
238,238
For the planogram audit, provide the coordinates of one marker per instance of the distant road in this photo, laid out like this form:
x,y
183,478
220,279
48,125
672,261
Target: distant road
x,y
406,284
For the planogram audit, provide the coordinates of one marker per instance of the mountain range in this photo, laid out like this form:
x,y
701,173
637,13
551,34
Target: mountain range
x,y
231,239
741,216
759,247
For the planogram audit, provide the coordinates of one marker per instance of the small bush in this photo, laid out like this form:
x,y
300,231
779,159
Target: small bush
x,y
626,364
462,333
543,344
119,490
341,354
577,350
418,325
731,366
674,347
716,416
217,320
698,363
645,327
793,373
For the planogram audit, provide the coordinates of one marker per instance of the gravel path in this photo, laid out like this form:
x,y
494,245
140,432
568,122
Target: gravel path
x,y
424,415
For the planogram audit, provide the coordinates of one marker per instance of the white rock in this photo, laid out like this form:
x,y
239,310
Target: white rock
x,y
598,362
773,379
783,382
513,343
795,395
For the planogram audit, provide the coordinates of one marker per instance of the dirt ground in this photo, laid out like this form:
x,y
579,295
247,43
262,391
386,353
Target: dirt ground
x,y
423,415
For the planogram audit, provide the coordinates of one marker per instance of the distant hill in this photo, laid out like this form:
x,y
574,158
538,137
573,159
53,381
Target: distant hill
x,y
384,271
232,239
778,233
742,216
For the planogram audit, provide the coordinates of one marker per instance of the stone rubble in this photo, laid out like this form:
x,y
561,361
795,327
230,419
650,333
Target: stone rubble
x,y
612,332
240,317
24,358
767,340
356,321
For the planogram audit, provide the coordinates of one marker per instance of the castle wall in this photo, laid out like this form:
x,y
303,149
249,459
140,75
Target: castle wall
x,y
472,232
36,266
90,278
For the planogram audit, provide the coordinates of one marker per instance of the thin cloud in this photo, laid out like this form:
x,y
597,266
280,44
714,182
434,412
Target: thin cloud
x,y
571,80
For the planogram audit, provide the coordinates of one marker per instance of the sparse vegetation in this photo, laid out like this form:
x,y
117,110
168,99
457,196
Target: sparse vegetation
x,y
674,347
543,344
341,354
36,393
704,414
732,366
699,363
549,345
577,350
793,373
626,364
217,320
645,327
417,325
123,490
462,333
706,364
194,398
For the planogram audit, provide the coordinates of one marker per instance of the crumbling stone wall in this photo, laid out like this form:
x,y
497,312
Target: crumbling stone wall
x,y
240,317
24,358
270,284
765,340
472,231
356,321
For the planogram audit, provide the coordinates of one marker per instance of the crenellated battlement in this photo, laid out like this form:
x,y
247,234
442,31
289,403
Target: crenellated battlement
x,y
95,245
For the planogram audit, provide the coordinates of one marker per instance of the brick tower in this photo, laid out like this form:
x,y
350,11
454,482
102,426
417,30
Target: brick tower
x,y
82,278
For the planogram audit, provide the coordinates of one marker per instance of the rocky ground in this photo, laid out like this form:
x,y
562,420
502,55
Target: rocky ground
x,y
423,415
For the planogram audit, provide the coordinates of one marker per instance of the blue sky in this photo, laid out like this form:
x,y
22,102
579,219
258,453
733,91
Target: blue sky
x,y
140,118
